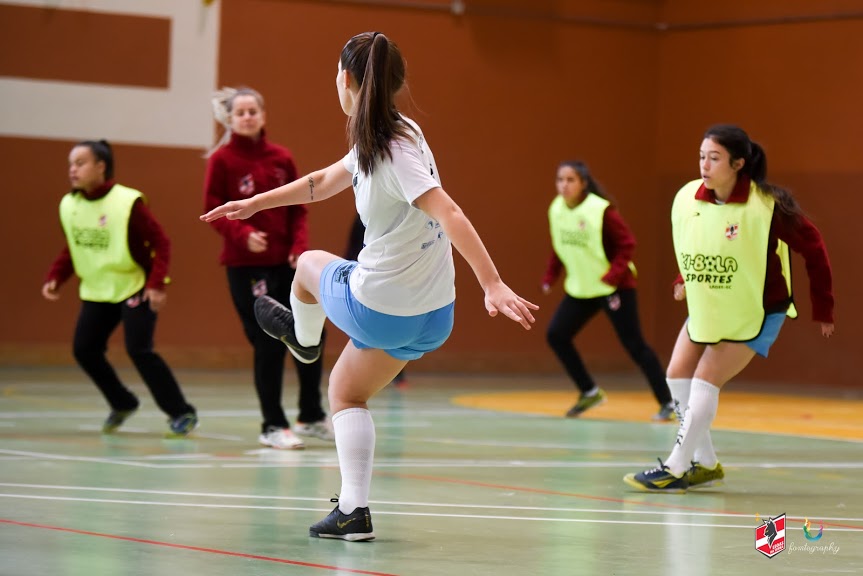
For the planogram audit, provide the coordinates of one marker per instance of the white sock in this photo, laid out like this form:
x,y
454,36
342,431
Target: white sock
x,y
355,444
308,321
680,389
703,400
592,392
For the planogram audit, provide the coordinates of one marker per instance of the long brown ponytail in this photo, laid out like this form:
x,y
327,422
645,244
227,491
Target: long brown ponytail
x,y
379,69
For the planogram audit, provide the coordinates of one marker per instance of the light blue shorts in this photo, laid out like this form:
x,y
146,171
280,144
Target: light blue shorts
x,y
769,332
402,337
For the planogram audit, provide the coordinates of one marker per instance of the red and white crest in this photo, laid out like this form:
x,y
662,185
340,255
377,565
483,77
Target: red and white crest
x,y
247,185
770,536
731,231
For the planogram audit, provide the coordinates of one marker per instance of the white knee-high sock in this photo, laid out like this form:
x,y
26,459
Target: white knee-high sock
x,y
680,390
355,444
703,401
308,321
704,452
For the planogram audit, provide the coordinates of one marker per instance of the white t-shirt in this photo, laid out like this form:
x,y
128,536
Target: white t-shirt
x,y
406,267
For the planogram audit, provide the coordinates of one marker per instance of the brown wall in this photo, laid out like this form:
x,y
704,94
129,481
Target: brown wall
x,y
503,93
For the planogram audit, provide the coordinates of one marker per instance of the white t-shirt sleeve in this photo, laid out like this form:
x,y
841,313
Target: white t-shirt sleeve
x,y
350,161
412,170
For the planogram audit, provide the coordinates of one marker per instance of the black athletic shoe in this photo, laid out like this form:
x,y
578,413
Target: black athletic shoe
x,y
277,320
354,527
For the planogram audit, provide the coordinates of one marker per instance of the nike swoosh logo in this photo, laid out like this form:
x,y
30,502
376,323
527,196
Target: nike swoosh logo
x,y
345,523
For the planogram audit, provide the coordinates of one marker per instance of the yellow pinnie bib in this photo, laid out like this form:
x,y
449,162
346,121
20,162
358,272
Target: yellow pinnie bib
x,y
576,235
97,233
721,253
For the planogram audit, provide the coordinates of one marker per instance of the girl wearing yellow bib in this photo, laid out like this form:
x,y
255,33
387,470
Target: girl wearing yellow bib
x,y
120,254
593,243
732,233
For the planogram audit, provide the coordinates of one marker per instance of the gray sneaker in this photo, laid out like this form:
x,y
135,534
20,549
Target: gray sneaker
x,y
665,414
322,429
586,403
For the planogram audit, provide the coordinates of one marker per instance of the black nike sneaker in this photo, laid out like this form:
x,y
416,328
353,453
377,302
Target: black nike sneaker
x,y
277,320
354,527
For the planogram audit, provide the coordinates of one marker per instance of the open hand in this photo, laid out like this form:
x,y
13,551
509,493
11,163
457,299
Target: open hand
x,y
233,210
827,329
500,298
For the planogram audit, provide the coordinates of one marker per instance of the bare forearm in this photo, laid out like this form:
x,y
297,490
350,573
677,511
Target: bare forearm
x,y
313,187
464,237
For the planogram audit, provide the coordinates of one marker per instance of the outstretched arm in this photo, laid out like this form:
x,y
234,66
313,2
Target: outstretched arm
x,y
498,296
315,187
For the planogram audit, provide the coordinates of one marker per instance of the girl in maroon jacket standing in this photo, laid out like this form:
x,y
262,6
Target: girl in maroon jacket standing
x,y
260,255
593,243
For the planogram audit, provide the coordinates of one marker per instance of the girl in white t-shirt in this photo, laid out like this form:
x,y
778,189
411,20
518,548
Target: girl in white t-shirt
x,y
396,301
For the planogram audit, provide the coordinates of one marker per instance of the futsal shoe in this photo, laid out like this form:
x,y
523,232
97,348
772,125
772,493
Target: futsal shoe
x,y
586,403
182,425
115,419
665,414
322,430
701,476
658,480
354,527
277,320
281,438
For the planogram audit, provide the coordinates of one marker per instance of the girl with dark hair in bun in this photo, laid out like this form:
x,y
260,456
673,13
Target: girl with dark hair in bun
x,y
396,302
120,253
732,232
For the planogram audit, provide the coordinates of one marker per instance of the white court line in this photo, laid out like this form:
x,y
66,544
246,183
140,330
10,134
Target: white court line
x,y
43,456
652,511
290,459
213,436
393,513
126,429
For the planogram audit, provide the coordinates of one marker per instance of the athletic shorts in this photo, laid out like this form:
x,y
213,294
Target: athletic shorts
x,y
402,337
769,332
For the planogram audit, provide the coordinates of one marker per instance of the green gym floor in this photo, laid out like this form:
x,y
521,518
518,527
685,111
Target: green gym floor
x,y
473,475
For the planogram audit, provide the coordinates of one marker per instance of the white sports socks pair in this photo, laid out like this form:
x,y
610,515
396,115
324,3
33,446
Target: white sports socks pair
x,y
696,401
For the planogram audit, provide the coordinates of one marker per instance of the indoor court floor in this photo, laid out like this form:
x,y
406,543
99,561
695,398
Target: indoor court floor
x,y
474,475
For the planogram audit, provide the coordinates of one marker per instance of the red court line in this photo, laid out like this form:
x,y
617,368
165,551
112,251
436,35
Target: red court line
x,y
193,548
590,497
